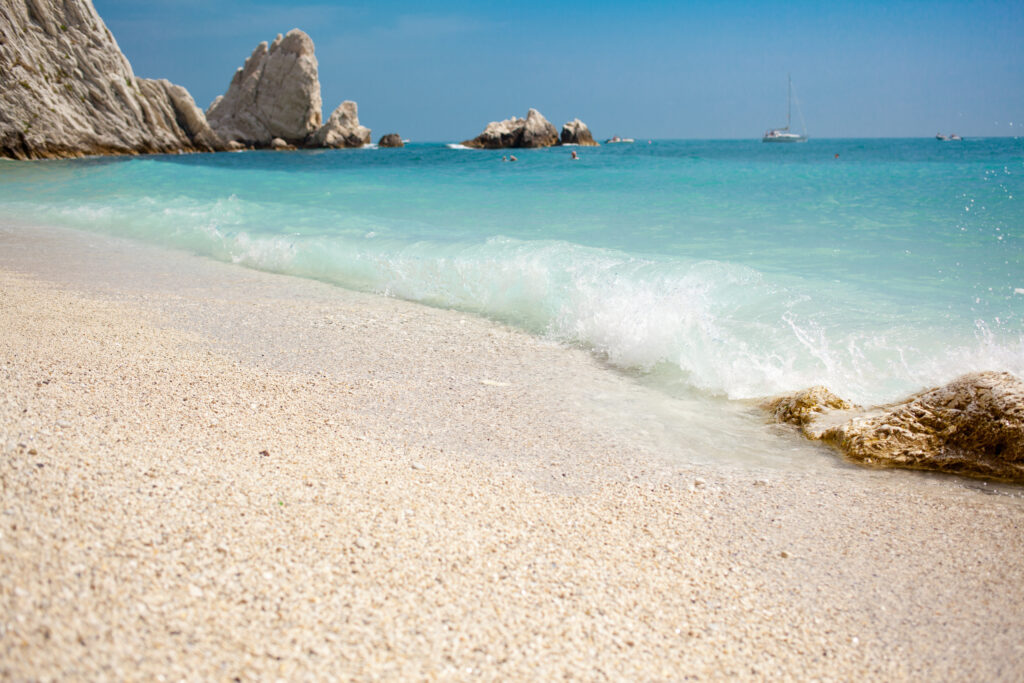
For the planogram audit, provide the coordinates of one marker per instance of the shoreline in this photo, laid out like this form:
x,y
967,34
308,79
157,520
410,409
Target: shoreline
x,y
433,501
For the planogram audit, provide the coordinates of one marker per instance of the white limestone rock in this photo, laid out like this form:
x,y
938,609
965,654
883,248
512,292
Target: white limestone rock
x,y
342,129
576,132
173,106
533,131
276,94
66,90
498,135
538,131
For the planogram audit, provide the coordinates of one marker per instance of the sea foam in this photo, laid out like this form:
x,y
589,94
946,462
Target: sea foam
x,y
718,328
708,277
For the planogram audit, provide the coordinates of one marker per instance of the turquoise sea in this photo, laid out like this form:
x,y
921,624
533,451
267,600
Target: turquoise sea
x,y
714,270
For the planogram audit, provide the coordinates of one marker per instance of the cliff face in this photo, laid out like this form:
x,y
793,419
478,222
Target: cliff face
x,y
66,90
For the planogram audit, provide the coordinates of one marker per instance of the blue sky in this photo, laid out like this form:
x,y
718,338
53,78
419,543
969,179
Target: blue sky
x,y
442,70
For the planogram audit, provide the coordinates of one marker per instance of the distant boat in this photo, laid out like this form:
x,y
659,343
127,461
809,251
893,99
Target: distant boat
x,y
953,137
616,139
784,134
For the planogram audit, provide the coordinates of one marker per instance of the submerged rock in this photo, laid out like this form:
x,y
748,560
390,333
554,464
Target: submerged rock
x,y
67,90
275,94
391,140
576,132
973,426
533,131
342,129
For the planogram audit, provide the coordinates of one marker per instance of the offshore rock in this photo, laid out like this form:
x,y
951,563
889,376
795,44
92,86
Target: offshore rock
x,y
576,132
391,140
972,426
276,94
342,129
533,131
66,90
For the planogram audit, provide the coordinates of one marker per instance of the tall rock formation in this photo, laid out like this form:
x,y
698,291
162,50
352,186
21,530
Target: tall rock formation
x,y
342,129
276,94
533,131
66,90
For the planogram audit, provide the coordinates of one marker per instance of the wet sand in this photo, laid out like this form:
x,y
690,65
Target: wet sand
x,y
209,472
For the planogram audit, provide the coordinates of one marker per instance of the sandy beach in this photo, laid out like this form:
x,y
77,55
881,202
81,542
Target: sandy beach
x,y
212,473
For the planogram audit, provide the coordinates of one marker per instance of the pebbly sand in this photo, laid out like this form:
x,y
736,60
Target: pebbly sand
x,y
214,473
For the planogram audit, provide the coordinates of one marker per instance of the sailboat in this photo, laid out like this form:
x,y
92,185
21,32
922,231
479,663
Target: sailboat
x,y
784,134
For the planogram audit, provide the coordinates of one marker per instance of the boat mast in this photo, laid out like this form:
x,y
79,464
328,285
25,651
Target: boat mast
x,y
789,99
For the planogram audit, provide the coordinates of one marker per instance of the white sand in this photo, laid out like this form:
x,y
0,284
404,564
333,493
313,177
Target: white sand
x,y
438,498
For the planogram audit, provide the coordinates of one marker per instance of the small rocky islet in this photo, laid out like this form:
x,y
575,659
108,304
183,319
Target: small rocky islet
x,y
532,132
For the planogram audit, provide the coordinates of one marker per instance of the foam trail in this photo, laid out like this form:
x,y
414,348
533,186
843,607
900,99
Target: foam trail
x,y
727,329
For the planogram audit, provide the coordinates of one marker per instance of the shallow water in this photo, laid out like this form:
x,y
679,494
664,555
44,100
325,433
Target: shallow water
x,y
710,271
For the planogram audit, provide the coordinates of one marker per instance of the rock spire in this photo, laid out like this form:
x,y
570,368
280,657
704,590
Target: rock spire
x,y
276,94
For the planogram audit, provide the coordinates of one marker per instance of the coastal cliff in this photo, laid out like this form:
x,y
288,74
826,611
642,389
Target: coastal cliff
x,y
67,90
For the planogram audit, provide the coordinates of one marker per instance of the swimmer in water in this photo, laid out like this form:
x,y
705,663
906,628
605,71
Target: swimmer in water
x,y
575,156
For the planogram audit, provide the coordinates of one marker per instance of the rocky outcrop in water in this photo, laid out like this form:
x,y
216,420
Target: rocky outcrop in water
x,y
66,90
275,94
575,132
973,426
391,140
342,129
533,131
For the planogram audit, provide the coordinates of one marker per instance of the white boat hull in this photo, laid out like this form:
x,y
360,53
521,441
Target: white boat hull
x,y
784,137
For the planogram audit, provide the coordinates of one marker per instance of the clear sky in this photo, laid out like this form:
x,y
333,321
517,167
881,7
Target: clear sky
x,y
442,70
